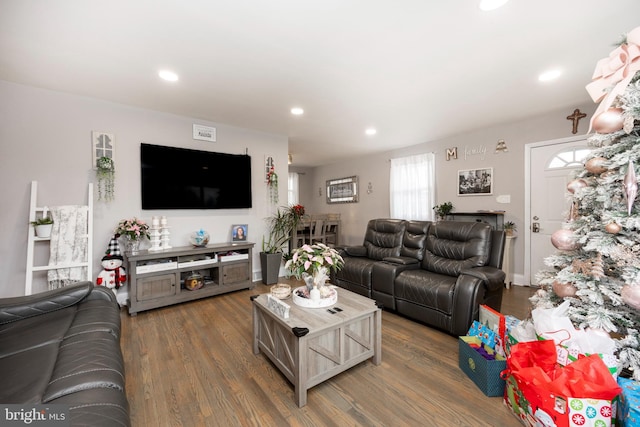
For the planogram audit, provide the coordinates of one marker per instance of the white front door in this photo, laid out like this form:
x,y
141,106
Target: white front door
x,y
550,165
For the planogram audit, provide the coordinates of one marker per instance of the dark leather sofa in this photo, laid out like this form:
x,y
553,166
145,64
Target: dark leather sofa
x,y
435,273
63,347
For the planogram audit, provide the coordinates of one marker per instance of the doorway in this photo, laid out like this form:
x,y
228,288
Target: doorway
x,y
548,169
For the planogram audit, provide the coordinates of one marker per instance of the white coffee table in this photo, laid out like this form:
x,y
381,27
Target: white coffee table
x,y
313,344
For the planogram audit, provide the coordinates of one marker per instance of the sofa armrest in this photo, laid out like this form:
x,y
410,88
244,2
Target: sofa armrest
x,y
17,308
384,275
400,260
492,277
355,250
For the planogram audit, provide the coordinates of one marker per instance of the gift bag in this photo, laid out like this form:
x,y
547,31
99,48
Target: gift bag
x,y
583,393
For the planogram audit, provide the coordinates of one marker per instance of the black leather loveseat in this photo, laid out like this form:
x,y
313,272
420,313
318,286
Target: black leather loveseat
x,y
436,273
62,347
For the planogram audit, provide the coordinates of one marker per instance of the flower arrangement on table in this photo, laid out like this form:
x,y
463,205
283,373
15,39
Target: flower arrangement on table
x,y
133,229
312,263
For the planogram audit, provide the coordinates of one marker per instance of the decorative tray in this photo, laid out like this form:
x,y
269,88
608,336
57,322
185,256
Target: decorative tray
x,y
301,298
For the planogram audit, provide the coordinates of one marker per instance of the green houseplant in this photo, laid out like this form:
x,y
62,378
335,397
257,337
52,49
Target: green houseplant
x,y
443,209
43,226
280,227
509,228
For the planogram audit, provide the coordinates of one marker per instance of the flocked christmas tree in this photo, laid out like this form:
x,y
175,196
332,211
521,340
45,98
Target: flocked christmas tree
x,y
597,267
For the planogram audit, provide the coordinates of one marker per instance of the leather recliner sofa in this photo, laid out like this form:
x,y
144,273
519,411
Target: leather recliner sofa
x,y
440,275
63,347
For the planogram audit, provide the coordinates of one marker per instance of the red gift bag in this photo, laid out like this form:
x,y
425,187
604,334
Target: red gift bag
x,y
574,395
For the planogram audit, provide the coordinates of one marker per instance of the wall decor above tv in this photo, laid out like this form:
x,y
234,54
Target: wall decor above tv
x,y
181,178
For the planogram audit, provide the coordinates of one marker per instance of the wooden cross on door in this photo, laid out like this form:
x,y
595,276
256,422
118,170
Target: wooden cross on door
x,y
576,116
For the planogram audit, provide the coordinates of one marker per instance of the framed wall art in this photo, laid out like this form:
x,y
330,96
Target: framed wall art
x,y
103,144
342,190
475,182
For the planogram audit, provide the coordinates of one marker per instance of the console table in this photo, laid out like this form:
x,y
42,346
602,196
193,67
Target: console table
x,y
495,218
155,277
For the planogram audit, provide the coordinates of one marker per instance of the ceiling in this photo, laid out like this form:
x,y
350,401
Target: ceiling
x,y
417,71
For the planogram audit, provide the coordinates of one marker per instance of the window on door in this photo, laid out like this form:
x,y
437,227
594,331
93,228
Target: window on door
x,y
571,158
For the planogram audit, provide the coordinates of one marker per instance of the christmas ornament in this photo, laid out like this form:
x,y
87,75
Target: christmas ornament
x,y
564,290
564,240
613,228
596,165
576,184
631,295
608,121
630,186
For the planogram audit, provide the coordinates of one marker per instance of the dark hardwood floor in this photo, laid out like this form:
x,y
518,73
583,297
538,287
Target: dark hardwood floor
x,y
192,364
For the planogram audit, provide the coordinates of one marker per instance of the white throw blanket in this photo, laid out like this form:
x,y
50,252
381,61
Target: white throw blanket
x,y
69,239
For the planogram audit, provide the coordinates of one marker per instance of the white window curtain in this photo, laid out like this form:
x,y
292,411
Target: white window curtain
x,y
412,187
293,189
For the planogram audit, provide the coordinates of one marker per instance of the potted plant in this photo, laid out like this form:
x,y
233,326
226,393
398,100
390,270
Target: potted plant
x,y
43,226
443,209
280,228
106,172
509,228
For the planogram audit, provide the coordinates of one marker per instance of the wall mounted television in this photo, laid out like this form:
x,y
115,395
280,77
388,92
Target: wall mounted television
x,y
181,178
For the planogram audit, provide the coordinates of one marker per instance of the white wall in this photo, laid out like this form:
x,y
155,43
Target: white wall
x,y
46,136
508,169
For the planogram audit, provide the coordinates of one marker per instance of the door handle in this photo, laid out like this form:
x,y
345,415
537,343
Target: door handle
x,y
535,227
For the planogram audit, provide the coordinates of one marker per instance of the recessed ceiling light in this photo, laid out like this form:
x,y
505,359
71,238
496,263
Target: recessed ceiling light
x,y
549,75
167,75
488,5
371,131
297,111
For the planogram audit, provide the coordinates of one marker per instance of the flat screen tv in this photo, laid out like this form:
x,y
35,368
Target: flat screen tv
x,y
180,178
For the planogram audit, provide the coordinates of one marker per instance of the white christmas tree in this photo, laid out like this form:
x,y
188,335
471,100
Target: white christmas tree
x,y
597,266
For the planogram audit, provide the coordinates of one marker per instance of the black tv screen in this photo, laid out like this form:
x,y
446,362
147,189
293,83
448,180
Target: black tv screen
x,y
180,178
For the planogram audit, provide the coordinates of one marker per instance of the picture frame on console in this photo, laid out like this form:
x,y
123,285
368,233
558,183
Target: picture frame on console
x,y
342,190
475,182
239,232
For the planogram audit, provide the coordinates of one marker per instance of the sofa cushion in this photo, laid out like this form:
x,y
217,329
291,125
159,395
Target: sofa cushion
x,y
427,289
32,332
453,246
86,361
383,238
25,375
414,239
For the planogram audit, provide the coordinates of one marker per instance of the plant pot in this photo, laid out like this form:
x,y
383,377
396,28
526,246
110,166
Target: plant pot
x,y
270,265
43,230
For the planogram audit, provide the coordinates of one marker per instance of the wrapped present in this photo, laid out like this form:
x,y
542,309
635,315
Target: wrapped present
x,y
629,405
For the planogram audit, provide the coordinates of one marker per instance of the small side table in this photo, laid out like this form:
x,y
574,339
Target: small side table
x,y
507,261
